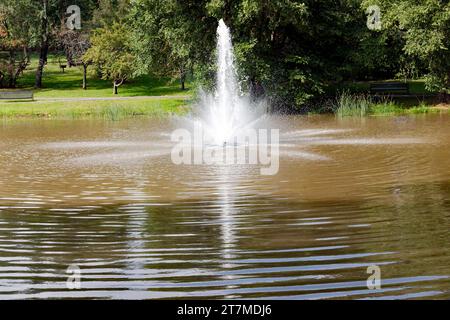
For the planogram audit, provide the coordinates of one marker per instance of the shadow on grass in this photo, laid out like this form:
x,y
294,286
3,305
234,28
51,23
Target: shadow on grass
x,y
56,83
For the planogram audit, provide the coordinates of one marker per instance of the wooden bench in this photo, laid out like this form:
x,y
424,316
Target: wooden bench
x,y
389,88
16,95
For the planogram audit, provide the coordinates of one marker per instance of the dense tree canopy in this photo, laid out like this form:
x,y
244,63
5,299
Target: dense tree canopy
x,y
424,27
173,37
291,51
294,50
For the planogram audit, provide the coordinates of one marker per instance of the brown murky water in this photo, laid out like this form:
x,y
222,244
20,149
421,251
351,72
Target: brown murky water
x,y
105,196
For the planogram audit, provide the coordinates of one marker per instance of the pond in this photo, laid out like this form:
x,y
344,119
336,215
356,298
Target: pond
x,y
105,196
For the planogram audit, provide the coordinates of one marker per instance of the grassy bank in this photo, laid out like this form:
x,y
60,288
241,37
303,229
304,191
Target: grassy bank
x,y
110,109
347,104
62,95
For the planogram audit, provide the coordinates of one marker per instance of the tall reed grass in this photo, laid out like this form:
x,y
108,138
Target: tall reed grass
x,y
348,104
353,105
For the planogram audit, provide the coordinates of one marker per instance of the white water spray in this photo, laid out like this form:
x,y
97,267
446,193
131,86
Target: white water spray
x,y
225,113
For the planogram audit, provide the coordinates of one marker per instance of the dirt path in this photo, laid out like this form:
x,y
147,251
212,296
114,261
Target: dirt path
x,y
112,98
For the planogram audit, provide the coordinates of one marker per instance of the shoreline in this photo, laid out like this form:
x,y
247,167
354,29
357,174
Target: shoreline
x,y
115,108
107,109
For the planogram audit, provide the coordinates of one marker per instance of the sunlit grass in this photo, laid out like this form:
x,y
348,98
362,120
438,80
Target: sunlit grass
x,y
386,108
361,105
68,84
391,108
57,84
352,105
112,110
423,109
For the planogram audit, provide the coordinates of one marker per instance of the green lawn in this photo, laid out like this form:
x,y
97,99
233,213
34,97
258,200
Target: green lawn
x,y
111,110
57,84
68,84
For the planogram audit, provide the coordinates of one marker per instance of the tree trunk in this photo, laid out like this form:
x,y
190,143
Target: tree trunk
x,y
182,78
84,76
41,64
116,85
12,62
44,47
22,65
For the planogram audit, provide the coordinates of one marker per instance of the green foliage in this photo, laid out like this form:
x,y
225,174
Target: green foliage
x,y
357,105
109,110
112,52
299,52
68,85
173,37
291,49
352,105
423,108
34,24
18,21
17,34
267,43
108,12
386,108
425,29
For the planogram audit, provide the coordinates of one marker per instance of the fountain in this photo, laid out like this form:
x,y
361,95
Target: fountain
x,y
350,193
226,113
225,126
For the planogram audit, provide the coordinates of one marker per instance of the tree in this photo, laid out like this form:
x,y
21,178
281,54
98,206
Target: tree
x,y
16,36
108,12
112,52
75,45
173,37
44,43
12,64
293,49
425,29
51,15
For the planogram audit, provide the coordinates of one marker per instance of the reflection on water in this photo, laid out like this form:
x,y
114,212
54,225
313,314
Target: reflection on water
x,y
105,196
